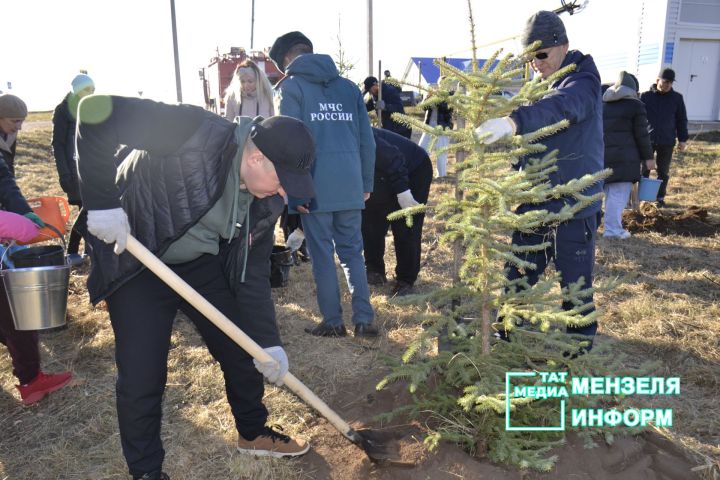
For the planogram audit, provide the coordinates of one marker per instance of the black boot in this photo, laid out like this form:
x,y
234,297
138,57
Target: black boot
x,y
156,475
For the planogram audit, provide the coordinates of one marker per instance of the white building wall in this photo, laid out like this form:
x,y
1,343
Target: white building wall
x,y
692,49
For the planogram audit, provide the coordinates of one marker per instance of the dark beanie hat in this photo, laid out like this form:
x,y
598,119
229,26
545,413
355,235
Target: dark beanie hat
x,y
546,27
289,145
283,44
668,74
369,82
628,80
12,107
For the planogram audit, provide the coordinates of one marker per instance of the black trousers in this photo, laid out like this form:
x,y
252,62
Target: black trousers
x,y
142,313
663,157
408,241
79,230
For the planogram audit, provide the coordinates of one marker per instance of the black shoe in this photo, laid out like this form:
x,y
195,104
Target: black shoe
x,y
158,475
366,330
376,278
324,330
660,203
402,288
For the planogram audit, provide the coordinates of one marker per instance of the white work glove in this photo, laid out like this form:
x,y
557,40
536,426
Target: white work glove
x,y
406,199
380,104
295,240
494,129
110,226
275,369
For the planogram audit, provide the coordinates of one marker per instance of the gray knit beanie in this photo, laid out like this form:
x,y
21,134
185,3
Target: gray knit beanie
x,y
12,107
546,27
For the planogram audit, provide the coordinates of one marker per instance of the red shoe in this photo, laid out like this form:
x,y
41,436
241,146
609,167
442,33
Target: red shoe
x,y
42,385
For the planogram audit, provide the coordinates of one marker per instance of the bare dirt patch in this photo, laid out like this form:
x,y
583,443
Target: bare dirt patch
x,y
691,221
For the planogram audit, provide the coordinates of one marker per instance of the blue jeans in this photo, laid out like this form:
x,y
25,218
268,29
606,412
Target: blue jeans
x,y
327,233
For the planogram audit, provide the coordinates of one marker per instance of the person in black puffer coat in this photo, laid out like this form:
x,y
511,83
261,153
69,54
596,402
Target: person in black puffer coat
x,y
63,146
627,146
203,194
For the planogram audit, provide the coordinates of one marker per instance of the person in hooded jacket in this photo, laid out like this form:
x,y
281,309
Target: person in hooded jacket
x,y
627,148
63,146
332,107
403,173
668,121
203,194
576,97
250,93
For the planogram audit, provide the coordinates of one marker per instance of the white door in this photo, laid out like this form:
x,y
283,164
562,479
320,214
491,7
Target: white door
x,y
698,77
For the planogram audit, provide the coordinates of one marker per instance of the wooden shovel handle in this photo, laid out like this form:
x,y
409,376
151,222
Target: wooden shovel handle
x,y
154,264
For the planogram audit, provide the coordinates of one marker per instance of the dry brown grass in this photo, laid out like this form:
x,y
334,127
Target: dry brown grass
x,y
668,309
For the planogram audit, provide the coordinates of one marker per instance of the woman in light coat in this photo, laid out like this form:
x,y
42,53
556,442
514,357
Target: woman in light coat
x,y
249,94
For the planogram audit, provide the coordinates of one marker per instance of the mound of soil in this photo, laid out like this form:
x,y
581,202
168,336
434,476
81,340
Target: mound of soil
x,y
645,457
692,221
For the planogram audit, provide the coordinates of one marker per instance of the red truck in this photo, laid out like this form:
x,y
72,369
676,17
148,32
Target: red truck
x,y
219,73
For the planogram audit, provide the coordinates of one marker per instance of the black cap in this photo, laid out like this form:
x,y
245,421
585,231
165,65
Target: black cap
x,y
289,145
546,27
283,44
369,82
668,74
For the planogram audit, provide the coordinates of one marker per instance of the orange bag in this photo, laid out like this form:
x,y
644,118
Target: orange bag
x,y
54,211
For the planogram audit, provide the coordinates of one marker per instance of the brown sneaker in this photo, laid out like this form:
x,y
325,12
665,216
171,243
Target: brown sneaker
x,y
273,444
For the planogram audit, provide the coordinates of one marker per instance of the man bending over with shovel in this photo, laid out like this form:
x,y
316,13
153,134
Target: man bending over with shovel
x,y
201,193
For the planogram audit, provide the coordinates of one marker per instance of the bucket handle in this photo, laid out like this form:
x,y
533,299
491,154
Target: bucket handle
x,y
5,253
51,227
58,233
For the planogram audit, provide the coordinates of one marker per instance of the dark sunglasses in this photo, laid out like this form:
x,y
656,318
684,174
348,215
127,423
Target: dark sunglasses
x,y
541,55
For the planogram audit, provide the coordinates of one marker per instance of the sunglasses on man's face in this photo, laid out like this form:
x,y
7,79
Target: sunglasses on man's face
x,y
541,55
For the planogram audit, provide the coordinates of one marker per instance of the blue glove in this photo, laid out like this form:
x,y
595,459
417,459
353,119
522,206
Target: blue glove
x,y
33,217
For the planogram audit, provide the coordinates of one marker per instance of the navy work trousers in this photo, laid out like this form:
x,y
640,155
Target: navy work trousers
x,y
408,241
572,250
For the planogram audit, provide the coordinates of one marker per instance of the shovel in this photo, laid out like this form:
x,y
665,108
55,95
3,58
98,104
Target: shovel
x,y
373,443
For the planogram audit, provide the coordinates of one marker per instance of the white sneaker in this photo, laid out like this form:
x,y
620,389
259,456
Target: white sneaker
x,y
625,234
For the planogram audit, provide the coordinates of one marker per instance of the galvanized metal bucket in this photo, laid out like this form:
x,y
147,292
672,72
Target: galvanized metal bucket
x,y
37,296
38,292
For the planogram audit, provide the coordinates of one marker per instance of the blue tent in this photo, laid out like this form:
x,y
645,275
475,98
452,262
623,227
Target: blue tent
x,y
430,72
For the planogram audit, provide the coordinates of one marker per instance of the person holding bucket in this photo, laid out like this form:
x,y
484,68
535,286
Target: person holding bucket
x,y
23,346
203,194
627,146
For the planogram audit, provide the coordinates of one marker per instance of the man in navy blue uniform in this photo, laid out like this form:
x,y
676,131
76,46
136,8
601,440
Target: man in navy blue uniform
x,y
577,98
403,173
